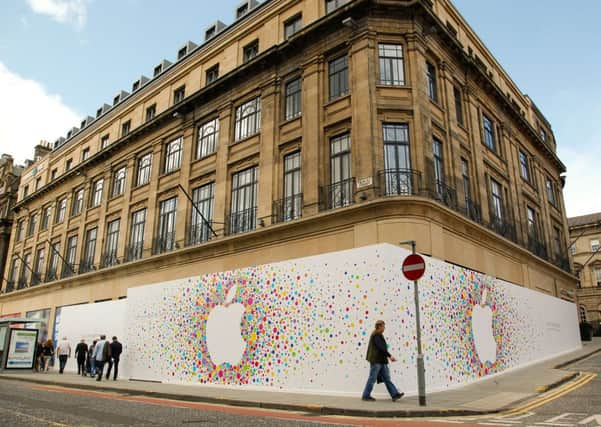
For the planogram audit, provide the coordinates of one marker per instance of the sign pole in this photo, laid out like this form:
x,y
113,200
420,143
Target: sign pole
x,y
421,374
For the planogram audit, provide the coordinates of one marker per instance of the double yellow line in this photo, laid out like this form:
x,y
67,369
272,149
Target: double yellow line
x,y
583,379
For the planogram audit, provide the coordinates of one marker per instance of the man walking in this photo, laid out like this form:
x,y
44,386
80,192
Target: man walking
x,y
64,352
102,353
116,349
81,353
378,356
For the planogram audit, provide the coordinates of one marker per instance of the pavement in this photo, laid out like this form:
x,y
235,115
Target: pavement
x,y
505,392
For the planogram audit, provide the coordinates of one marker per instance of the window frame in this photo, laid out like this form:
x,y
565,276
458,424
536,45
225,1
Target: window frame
x,y
207,140
524,166
119,181
136,235
151,112
250,51
293,103
173,152
489,135
179,94
293,25
392,66
78,201
338,77
97,190
212,74
125,128
432,80
247,121
141,167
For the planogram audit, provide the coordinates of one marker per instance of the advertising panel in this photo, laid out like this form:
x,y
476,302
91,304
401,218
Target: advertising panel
x,y
21,348
304,324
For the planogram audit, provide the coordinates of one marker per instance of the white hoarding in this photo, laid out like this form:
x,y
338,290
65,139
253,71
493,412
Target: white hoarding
x,y
88,322
304,324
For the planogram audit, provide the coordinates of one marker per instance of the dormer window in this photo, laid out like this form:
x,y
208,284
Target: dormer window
x,y
210,33
158,70
99,112
69,134
116,100
83,124
135,86
241,11
182,52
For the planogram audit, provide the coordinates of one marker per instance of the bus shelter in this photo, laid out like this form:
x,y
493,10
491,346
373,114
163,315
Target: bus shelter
x,y
18,339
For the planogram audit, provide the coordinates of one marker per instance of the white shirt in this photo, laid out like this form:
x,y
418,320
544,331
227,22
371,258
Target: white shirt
x,y
63,348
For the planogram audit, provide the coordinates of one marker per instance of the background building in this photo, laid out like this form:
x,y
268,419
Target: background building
x,y
9,185
585,234
302,128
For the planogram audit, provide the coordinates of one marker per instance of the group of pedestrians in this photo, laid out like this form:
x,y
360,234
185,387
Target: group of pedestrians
x,y
91,359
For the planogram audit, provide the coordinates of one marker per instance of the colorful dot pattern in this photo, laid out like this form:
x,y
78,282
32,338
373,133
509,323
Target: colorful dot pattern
x,y
307,323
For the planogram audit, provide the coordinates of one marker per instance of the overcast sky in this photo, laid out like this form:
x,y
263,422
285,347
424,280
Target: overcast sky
x,y
61,59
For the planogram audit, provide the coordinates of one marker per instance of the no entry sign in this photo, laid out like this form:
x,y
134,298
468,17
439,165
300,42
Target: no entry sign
x,y
414,267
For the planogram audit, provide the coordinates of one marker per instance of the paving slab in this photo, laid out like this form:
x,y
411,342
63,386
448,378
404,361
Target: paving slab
x,y
491,395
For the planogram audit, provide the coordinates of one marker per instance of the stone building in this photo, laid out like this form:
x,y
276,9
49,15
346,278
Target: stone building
x,y
304,127
9,185
585,248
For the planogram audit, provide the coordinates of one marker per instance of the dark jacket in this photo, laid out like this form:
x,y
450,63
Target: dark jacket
x,y
377,350
47,350
116,349
81,351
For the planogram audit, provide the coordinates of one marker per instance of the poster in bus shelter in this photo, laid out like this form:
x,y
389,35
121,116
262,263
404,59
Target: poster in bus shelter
x,y
21,348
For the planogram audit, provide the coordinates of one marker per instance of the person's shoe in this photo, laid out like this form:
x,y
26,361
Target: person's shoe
x,y
397,397
368,399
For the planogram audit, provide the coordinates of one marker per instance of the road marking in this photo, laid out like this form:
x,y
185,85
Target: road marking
x,y
52,423
584,379
596,418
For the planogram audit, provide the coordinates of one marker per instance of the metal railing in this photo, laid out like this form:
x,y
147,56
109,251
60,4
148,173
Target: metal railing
x,y
444,194
10,286
199,233
399,182
503,227
68,270
135,251
109,258
471,210
86,266
338,195
536,245
164,243
287,209
51,275
240,222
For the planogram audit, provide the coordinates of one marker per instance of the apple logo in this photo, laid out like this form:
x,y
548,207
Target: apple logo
x,y
484,340
224,341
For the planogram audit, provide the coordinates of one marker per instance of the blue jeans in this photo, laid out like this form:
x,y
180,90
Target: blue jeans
x,y
374,370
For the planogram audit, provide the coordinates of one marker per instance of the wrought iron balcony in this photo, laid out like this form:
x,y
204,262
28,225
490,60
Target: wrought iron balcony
x,y
288,208
10,286
86,266
471,210
240,222
444,194
135,251
22,283
68,270
399,182
536,245
199,233
164,243
503,227
338,195
51,275
36,279
109,258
